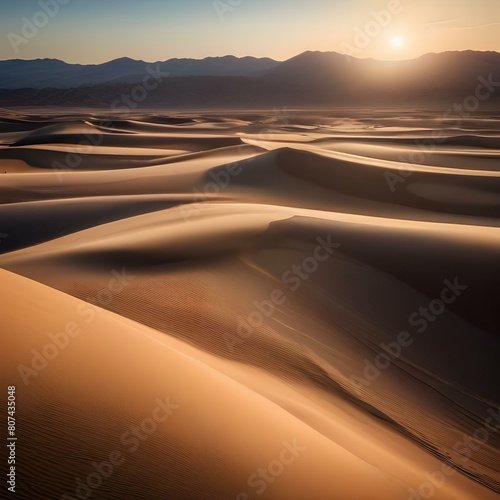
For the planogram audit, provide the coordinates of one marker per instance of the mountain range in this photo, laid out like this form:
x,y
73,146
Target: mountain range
x,y
53,73
308,79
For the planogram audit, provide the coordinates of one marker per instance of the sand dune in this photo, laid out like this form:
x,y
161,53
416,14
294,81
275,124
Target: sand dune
x,y
250,268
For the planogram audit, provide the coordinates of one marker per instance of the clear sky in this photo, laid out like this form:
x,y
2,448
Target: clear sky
x,y
94,31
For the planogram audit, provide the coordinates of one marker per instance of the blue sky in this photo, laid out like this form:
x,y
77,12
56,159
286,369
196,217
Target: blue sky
x,y
93,31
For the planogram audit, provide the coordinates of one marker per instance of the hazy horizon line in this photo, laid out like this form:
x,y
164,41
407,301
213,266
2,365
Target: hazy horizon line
x,y
254,57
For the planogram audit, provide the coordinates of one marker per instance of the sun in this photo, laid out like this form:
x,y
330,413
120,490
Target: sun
x,y
397,41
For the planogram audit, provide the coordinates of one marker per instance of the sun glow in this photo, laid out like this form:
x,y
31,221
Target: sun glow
x,y
397,41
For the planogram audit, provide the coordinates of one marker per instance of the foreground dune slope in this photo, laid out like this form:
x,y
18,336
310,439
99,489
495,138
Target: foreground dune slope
x,y
90,395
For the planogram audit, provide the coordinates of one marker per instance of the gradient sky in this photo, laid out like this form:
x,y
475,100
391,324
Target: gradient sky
x,y
94,31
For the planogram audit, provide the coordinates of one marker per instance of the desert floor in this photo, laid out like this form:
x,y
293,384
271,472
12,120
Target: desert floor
x,y
287,304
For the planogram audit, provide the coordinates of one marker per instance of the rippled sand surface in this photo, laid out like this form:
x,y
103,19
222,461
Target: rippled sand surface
x,y
290,305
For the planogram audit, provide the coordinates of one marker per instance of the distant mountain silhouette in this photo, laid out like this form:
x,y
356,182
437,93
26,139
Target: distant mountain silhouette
x,y
52,73
309,79
329,76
